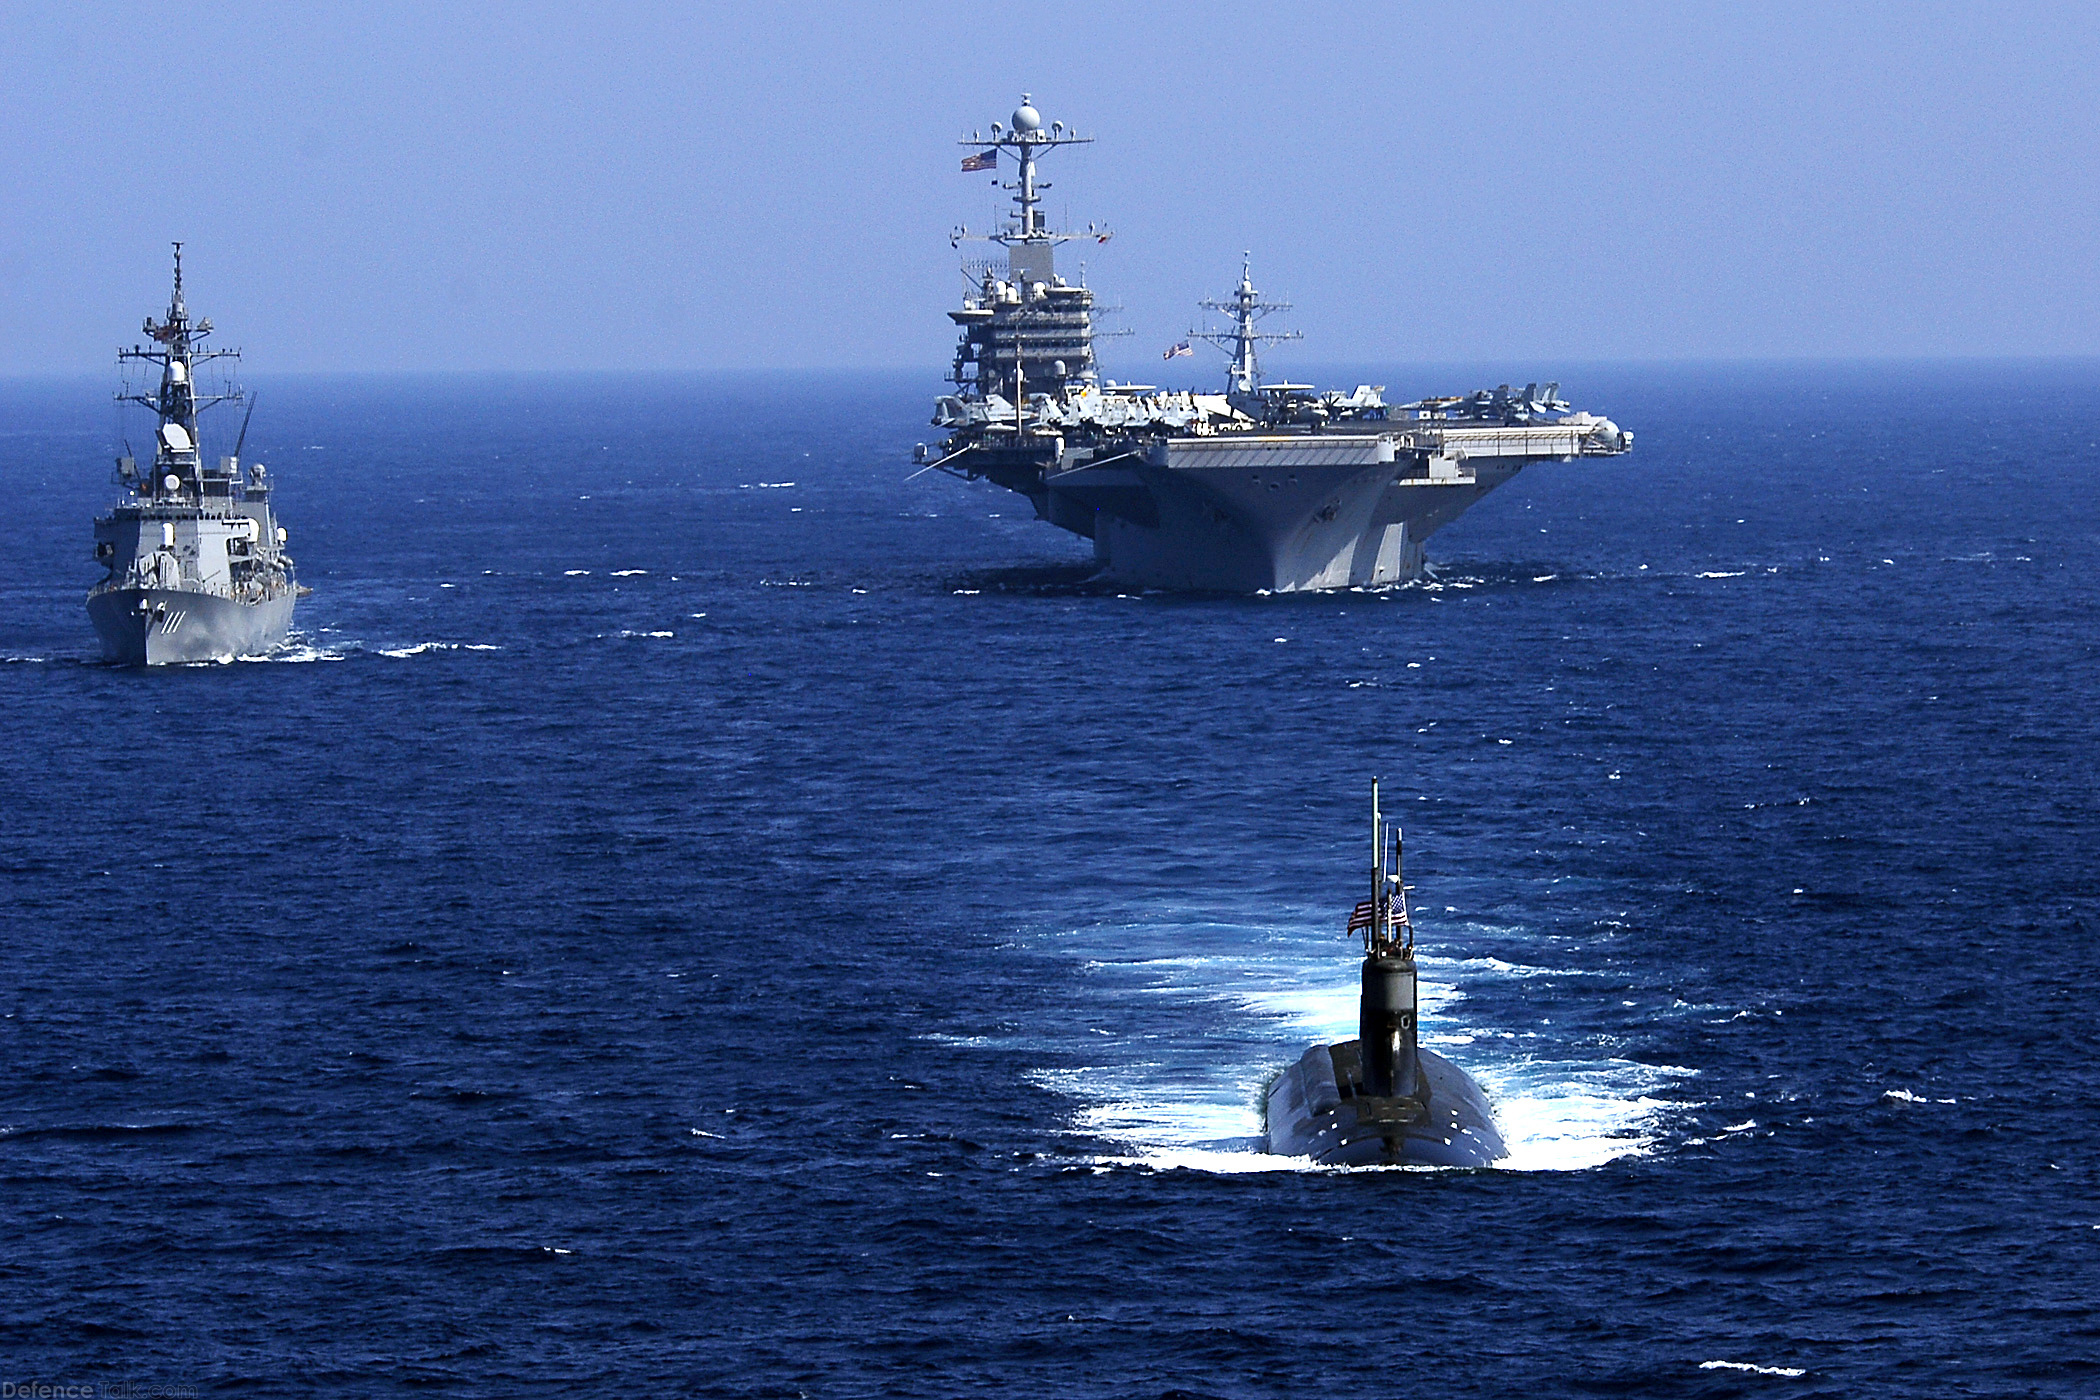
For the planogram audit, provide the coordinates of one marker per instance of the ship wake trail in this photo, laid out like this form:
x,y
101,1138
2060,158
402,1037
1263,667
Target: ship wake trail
x,y
299,651
403,653
1177,1050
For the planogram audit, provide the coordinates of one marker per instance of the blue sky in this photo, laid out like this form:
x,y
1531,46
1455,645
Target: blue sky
x,y
580,186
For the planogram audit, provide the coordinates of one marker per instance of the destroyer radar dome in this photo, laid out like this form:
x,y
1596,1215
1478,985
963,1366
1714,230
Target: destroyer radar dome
x,y
1026,117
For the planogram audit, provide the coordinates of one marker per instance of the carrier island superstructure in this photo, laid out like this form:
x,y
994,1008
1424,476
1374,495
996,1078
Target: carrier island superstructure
x,y
196,560
1264,486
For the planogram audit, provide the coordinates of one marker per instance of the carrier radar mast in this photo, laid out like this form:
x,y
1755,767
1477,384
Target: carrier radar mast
x,y
1243,380
1024,141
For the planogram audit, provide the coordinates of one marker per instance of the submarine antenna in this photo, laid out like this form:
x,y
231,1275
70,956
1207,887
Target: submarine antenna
x,y
1402,918
1377,871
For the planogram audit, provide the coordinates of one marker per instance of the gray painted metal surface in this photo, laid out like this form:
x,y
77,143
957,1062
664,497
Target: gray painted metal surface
x,y
197,569
1264,487
167,626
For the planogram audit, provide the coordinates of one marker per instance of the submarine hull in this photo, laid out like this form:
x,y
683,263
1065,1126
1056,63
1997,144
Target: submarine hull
x,y
1317,1109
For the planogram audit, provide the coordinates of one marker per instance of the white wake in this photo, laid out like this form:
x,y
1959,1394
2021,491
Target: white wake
x,y
1182,1085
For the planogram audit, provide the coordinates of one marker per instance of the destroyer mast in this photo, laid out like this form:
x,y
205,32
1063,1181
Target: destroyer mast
x,y
1243,386
177,353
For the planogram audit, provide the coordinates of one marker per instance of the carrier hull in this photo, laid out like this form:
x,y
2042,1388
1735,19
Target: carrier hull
x,y
1276,515
1268,511
167,626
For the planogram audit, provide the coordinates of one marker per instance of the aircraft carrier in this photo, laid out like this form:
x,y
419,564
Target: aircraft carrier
x,y
196,560
1261,487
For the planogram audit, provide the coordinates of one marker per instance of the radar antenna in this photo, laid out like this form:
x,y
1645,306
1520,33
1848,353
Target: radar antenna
x,y
1025,140
1246,308
1030,316
1388,930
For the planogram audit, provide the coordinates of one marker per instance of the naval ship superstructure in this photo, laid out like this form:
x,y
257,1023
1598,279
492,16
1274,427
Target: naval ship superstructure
x,y
196,559
1264,487
1381,1099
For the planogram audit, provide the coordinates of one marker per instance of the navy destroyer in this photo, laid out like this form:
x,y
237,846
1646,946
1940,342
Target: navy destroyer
x,y
1265,486
1382,1099
196,560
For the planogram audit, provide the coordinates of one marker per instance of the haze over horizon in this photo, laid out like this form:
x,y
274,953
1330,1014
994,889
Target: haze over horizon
x,y
638,187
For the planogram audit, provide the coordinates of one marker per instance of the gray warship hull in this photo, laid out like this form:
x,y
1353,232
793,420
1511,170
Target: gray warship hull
x,y
1316,1108
1270,511
1284,513
167,626
1326,522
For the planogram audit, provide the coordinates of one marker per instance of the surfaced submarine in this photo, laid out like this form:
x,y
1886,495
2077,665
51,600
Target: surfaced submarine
x,y
1381,1099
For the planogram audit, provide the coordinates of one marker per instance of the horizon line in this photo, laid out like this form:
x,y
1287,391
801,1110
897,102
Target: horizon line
x,y
936,375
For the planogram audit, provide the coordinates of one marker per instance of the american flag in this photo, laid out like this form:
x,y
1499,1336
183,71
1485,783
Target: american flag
x,y
1184,348
1362,916
983,160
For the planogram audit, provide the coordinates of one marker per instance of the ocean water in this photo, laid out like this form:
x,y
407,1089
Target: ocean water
x,y
696,913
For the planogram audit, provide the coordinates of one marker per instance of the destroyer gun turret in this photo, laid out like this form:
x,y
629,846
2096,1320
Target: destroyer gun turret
x,y
1264,486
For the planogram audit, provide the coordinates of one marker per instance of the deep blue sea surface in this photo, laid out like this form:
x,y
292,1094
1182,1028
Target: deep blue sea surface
x,y
695,913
